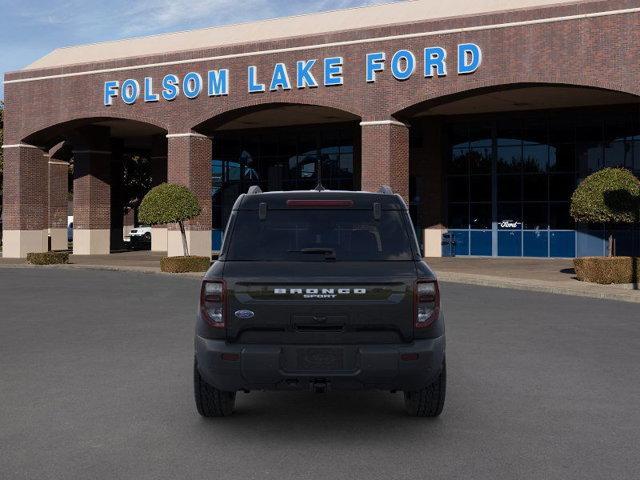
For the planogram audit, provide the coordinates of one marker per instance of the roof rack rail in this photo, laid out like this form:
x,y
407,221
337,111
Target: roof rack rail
x,y
254,190
385,190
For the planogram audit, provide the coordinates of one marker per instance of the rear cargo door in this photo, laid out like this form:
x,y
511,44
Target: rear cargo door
x,y
320,302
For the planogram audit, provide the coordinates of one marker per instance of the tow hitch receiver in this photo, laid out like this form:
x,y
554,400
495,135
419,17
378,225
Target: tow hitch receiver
x,y
319,385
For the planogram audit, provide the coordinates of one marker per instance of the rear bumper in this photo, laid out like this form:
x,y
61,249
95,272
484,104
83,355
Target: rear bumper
x,y
233,367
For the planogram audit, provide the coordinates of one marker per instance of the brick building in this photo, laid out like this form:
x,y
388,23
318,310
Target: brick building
x,y
484,115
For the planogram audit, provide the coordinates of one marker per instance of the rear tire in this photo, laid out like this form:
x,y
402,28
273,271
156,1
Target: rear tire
x,y
210,401
429,401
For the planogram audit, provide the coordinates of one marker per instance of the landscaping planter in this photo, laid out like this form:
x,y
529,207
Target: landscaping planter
x,y
607,270
185,264
48,258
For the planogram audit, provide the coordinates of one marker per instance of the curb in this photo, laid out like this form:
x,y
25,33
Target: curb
x,y
110,268
579,289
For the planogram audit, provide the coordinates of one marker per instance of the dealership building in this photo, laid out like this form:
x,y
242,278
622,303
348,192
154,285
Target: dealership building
x,y
484,115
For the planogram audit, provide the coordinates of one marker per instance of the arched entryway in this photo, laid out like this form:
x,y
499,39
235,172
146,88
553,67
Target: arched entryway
x,y
100,166
496,167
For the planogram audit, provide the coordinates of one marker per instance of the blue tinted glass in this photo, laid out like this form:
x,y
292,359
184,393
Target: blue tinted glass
x,y
481,242
535,244
462,241
509,243
562,244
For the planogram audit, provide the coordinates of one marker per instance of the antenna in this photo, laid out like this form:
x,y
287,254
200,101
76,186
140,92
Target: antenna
x,y
319,187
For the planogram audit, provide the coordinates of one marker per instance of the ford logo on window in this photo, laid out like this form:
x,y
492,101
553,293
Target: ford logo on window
x,y
244,314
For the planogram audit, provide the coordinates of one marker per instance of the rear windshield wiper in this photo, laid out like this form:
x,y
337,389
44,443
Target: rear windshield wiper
x,y
329,253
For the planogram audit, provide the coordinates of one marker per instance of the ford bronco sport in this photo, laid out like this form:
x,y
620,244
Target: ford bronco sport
x,y
319,290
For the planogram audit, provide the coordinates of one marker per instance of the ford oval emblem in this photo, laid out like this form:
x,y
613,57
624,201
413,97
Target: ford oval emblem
x,y
245,314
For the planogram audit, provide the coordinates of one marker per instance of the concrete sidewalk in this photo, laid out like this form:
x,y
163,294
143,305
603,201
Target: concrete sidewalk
x,y
539,275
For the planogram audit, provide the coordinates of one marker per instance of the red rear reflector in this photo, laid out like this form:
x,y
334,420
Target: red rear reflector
x,y
231,357
319,203
409,357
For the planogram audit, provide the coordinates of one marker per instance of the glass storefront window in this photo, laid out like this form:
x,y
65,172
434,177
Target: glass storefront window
x,y
509,216
535,158
481,188
510,159
458,215
458,189
480,216
535,188
480,159
535,216
509,188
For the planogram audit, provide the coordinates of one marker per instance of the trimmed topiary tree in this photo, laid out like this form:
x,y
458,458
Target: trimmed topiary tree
x,y
170,203
611,195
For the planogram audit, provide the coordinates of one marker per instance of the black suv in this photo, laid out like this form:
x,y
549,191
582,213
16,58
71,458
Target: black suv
x,y
320,290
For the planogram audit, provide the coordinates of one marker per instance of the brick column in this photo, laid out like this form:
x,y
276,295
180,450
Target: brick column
x,y
189,164
25,210
58,191
385,156
159,175
92,192
116,239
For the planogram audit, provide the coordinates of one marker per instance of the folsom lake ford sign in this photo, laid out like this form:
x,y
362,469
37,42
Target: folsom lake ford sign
x,y
308,73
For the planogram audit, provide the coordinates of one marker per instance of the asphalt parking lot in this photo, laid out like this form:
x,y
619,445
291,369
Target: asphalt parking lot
x,y
96,382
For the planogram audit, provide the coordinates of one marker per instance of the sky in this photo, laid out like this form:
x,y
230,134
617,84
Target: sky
x,y
29,29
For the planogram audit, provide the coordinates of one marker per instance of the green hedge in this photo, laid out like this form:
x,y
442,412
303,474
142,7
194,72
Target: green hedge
x,y
48,258
607,270
185,264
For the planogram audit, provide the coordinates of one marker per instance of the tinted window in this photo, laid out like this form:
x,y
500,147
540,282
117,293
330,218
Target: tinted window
x,y
354,235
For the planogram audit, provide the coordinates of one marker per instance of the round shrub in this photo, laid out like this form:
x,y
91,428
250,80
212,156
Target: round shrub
x,y
611,195
184,264
48,258
168,203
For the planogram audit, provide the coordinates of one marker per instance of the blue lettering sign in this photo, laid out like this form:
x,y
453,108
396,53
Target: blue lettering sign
x,y
333,71
110,92
149,96
170,87
192,85
304,77
469,58
280,78
218,82
130,91
403,64
254,86
375,63
435,59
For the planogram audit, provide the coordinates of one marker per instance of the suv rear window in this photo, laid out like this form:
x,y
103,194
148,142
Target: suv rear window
x,y
316,235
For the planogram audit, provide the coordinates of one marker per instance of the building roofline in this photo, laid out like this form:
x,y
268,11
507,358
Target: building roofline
x,y
283,28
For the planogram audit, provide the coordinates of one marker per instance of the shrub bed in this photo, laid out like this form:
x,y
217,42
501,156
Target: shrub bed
x,y
184,264
48,258
607,270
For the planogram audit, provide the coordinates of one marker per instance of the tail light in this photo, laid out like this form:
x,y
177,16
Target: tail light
x,y
427,303
212,303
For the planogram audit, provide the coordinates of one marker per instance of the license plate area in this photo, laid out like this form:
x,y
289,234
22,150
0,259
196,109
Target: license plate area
x,y
319,359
